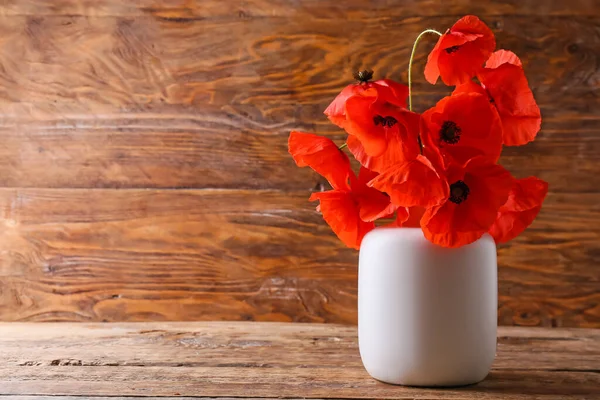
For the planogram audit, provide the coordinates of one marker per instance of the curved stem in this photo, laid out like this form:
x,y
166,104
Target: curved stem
x,y
410,62
342,146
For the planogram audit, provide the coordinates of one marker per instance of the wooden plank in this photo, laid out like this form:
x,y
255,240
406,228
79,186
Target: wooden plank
x,y
156,66
131,102
233,344
269,383
268,360
199,154
117,255
185,9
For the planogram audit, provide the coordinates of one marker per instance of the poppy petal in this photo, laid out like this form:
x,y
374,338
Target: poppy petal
x,y
520,114
402,143
401,216
413,183
336,111
341,213
372,204
458,67
460,52
360,123
323,156
438,229
397,95
365,175
413,220
502,57
432,70
377,124
470,87
489,187
520,210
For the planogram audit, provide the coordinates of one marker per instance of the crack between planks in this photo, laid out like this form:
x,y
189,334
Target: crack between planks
x,y
79,363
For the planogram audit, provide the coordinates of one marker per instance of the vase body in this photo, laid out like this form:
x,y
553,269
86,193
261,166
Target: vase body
x,y
427,315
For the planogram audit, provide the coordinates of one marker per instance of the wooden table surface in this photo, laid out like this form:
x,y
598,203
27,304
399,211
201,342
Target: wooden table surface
x,y
266,360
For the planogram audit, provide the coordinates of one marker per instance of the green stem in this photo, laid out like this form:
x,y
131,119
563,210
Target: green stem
x,y
410,62
342,146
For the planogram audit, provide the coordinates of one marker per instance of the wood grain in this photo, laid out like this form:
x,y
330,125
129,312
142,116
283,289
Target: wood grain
x,y
119,255
269,360
145,172
111,102
199,9
59,66
101,154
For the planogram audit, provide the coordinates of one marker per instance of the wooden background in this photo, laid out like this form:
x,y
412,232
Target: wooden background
x,y
145,175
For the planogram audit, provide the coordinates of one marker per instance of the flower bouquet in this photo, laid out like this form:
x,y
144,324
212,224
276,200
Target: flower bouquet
x,y
437,170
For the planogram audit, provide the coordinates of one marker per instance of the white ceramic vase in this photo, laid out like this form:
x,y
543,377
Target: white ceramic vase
x,y
427,315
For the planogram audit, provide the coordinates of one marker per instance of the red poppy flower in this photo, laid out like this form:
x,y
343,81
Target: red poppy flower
x,y
463,126
413,183
383,91
402,143
460,52
350,214
503,81
370,111
523,205
323,156
477,190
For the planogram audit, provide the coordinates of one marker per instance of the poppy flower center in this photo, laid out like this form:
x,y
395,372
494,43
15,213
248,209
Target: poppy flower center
x,y
384,121
452,49
450,132
459,191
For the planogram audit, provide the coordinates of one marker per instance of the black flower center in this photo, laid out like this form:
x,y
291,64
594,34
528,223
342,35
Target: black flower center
x,y
363,76
459,191
384,121
450,132
452,49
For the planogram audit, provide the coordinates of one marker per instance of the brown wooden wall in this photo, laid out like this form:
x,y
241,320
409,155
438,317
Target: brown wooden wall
x,y
144,170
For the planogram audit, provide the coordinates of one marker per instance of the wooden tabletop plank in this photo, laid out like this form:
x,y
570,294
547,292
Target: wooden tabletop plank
x,y
224,359
288,383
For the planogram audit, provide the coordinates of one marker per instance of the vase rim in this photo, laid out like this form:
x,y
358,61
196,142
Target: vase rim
x,y
414,232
